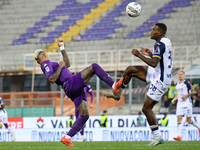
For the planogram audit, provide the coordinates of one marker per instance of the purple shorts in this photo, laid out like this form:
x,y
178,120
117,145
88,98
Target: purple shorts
x,y
74,89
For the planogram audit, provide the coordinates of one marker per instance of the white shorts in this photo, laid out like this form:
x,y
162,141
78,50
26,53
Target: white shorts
x,y
3,116
187,111
157,88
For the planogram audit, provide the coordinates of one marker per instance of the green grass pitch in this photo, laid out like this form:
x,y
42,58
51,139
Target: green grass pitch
x,y
168,145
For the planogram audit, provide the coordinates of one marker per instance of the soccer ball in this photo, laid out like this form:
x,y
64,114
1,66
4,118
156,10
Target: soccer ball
x,y
133,9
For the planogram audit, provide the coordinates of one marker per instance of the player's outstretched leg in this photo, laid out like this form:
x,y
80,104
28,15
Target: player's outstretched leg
x,y
112,94
131,71
10,131
189,120
88,72
116,93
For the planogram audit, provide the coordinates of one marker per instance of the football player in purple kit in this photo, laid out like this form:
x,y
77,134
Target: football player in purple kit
x,y
87,90
73,85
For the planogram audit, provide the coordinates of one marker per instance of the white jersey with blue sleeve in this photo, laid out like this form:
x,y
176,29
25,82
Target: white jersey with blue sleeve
x,y
160,77
182,89
3,113
163,51
1,101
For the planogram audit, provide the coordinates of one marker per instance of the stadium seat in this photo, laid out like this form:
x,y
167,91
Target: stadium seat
x,y
48,19
46,40
18,41
40,24
54,34
62,28
26,36
33,30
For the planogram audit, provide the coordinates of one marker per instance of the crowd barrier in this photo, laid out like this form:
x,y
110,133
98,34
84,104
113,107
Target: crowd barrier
x,y
99,134
120,128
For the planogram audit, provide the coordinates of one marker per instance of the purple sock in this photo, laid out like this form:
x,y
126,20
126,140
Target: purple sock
x,y
102,74
82,130
78,124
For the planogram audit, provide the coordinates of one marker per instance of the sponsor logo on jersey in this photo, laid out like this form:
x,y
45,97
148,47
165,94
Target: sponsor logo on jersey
x,y
47,69
157,50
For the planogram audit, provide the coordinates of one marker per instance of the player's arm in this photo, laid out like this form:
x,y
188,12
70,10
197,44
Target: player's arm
x,y
174,99
64,53
1,106
153,61
145,51
56,74
189,94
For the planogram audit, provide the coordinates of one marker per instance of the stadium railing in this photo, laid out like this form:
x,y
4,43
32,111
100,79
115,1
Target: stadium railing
x,y
112,60
36,104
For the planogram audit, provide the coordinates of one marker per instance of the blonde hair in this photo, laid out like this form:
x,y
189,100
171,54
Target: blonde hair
x,y
181,71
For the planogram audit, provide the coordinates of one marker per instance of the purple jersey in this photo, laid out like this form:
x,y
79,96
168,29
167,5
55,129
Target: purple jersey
x,y
50,68
72,85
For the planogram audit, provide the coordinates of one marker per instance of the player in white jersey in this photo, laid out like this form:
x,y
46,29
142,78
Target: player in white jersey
x,y
3,117
184,103
158,73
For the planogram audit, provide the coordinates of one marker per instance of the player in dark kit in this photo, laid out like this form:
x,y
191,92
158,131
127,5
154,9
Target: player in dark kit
x,y
157,73
73,85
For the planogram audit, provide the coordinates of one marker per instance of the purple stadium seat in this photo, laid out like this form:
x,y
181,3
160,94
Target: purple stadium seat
x,y
40,24
68,22
89,5
33,30
184,4
18,41
106,20
69,2
62,28
165,10
99,31
46,40
58,13
172,4
120,8
96,1
48,19
142,29
94,37
149,23
135,35
75,17
157,17
113,14
26,36
127,1
54,34
103,26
